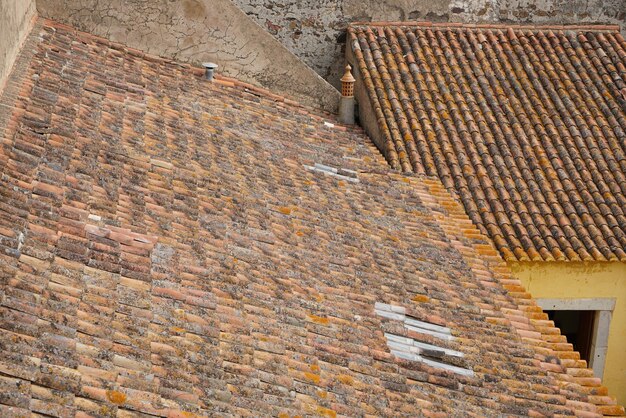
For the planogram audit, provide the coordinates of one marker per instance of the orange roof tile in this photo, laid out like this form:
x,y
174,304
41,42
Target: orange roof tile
x,y
526,124
175,248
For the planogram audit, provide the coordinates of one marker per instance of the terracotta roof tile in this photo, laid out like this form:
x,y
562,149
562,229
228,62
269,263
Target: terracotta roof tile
x,y
172,247
526,124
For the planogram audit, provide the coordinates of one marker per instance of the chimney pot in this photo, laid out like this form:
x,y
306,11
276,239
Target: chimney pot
x,y
210,68
346,106
347,83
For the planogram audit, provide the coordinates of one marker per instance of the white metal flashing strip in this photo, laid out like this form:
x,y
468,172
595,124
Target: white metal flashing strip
x,y
420,346
411,349
342,173
399,313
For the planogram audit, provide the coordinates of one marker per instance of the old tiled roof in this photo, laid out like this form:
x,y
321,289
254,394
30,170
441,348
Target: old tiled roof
x,y
527,125
178,248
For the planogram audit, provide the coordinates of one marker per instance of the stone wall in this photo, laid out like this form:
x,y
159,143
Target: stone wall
x,y
314,30
196,31
16,17
551,11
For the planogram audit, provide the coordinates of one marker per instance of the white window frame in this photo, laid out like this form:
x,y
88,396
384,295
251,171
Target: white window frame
x,y
601,324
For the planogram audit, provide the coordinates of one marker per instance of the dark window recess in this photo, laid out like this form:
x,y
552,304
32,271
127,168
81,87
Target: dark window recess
x,y
577,326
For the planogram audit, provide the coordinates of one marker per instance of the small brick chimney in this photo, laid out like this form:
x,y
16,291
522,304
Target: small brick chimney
x,y
346,106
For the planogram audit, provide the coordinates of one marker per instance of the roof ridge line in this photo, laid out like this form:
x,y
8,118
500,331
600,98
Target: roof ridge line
x,y
461,25
198,71
268,94
51,23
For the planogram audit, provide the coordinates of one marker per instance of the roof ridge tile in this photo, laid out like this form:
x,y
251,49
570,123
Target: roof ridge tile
x,y
478,26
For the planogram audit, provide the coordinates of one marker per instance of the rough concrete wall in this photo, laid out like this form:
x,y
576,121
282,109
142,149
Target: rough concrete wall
x,y
196,31
546,11
314,30
16,17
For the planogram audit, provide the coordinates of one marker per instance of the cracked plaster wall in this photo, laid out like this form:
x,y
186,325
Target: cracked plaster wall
x,y
196,31
314,30
16,18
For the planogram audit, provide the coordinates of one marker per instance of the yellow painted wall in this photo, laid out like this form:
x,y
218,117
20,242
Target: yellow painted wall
x,y
565,280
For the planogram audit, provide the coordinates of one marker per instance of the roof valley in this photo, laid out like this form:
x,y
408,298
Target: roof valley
x,y
531,324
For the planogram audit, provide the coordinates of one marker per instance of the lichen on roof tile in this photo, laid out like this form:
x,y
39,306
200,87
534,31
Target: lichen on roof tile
x,y
527,124
165,251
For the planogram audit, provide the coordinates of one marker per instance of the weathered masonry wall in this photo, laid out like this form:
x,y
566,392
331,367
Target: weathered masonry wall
x,y
314,30
196,31
16,17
